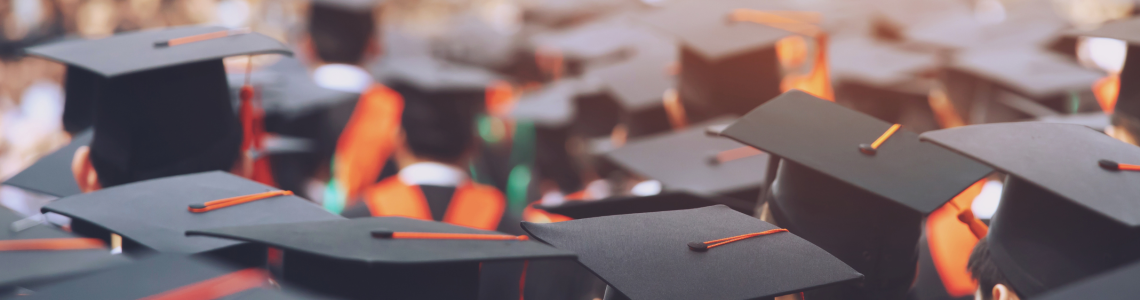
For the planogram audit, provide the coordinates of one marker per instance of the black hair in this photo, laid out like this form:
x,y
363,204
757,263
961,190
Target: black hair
x,y
1129,123
983,269
439,125
340,35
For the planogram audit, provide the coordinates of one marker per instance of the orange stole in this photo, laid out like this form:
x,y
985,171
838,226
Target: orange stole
x,y
367,140
473,205
951,241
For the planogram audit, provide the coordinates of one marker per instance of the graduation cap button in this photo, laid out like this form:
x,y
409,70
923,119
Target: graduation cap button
x,y
1114,166
698,247
871,149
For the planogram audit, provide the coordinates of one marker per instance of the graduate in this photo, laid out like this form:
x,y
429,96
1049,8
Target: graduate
x,y
434,145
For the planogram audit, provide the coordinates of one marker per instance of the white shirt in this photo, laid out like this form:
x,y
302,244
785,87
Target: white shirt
x,y
432,173
342,77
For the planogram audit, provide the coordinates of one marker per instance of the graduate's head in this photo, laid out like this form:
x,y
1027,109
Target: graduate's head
x,y
342,31
158,100
992,284
438,125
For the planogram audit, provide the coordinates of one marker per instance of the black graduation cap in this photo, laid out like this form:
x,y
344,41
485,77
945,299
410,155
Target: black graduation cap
x,y
427,73
692,161
350,5
1056,172
647,255
865,206
884,80
51,174
1118,284
32,268
639,83
622,205
362,259
1128,100
170,276
162,105
726,67
152,215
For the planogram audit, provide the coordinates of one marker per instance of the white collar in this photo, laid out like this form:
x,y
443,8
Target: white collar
x,y
432,173
342,77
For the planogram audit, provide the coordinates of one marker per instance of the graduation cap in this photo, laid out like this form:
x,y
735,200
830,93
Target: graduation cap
x,y
622,205
34,253
349,5
694,162
1128,99
51,174
649,255
727,67
153,215
854,185
387,257
162,105
427,73
639,84
884,80
552,105
1032,249
170,277
1118,284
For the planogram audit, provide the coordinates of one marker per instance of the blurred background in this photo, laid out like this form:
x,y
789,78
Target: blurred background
x,y
927,64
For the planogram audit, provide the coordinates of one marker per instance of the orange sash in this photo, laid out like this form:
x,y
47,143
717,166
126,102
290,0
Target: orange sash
x,y
473,205
951,241
367,140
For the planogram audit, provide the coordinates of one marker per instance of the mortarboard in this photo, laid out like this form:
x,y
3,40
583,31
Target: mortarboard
x,y
428,73
622,205
369,258
349,5
46,262
170,277
1118,284
694,162
647,255
1034,251
1095,120
865,206
883,80
639,83
552,105
727,67
153,215
163,106
51,174
1128,99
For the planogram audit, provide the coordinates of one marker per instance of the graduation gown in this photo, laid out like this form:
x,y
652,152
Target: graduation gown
x,y
469,204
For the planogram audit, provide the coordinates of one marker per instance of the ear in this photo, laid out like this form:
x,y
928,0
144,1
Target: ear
x,y
1002,292
84,171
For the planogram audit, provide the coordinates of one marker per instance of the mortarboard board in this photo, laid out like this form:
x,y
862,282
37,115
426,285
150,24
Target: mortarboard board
x,y
170,277
345,258
1118,284
883,80
1034,251
622,205
646,255
153,214
639,83
163,106
427,73
727,67
37,266
694,162
552,105
1095,120
51,174
866,209
1127,100
349,5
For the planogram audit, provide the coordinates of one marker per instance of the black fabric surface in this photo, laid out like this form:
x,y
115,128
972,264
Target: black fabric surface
x,y
154,213
645,256
52,174
655,203
135,51
30,268
351,240
802,128
1118,284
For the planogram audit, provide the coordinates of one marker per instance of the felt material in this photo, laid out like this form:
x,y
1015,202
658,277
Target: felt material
x,y
30,268
1034,73
132,52
645,255
632,204
51,174
287,91
154,213
351,240
639,82
1118,284
351,5
553,105
825,137
152,276
1037,253
703,26
681,161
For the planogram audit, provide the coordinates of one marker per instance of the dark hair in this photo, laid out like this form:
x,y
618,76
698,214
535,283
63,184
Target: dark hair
x,y
983,269
439,125
1131,124
340,35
